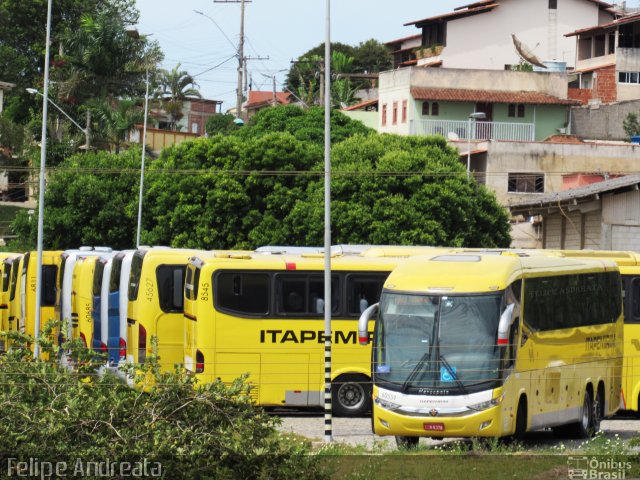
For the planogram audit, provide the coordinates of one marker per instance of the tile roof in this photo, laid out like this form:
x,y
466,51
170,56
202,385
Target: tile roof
x,y
404,39
457,14
257,97
360,105
633,17
464,95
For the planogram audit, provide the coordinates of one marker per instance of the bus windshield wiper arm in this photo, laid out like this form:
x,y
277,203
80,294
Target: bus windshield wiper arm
x,y
453,374
415,371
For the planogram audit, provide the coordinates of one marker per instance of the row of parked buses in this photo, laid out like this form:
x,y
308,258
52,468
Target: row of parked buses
x,y
466,342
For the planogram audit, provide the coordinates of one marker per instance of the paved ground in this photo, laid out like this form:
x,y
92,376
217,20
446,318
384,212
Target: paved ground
x,y
357,431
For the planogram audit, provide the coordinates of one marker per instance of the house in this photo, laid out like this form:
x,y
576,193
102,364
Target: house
x,y
366,112
4,86
262,99
607,61
403,50
479,35
195,113
600,216
517,106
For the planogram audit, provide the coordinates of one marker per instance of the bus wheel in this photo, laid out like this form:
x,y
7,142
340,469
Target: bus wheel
x,y
405,443
521,420
598,407
351,395
584,428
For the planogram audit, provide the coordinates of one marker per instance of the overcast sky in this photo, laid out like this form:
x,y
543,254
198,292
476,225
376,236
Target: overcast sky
x,y
281,30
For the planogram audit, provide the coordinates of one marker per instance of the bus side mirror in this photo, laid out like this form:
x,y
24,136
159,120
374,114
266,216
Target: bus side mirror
x,y
363,323
505,324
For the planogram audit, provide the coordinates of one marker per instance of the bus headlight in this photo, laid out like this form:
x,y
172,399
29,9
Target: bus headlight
x,y
486,405
386,404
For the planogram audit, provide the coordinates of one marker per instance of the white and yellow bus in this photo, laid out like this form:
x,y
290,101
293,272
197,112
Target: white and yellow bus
x,y
469,345
263,315
6,262
155,305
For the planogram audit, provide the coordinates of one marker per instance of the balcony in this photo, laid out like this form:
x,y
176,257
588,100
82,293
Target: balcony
x,y
514,132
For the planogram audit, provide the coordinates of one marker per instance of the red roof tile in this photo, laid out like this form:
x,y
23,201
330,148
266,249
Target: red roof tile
x,y
462,95
259,97
634,17
360,105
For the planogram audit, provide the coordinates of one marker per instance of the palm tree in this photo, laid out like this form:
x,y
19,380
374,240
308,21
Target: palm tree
x,y
116,119
176,86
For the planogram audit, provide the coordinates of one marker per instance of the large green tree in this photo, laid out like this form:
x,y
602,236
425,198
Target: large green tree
x,y
176,86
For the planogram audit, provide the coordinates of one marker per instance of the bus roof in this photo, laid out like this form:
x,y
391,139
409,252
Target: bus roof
x,y
480,272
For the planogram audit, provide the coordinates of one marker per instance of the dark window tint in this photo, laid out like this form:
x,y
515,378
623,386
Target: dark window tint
x,y
49,276
136,273
572,300
244,293
511,110
170,279
425,108
303,294
520,110
192,281
632,300
553,4
6,275
97,278
435,109
14,278
526,183
114,279
363,291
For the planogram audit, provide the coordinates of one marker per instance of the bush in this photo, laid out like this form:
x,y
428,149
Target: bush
x,y
57,414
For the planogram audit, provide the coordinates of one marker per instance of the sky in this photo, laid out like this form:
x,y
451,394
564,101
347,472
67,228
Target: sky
x,y
280,30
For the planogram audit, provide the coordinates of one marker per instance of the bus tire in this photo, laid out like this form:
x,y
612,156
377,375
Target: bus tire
x,y
406,443
584,428
598,408
521,420
351,395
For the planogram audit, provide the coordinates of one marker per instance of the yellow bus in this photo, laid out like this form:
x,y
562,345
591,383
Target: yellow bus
x,y
473,345
155,306
264,315
14,293
27,290
82,299
629,264
6,262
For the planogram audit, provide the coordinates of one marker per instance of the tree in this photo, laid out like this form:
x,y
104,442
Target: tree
x,y
372,57
304,124
116,119
400,190
177,85
92,199
223,123
631,125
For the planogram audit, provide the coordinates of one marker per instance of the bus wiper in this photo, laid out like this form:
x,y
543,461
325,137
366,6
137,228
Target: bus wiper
x,y
415,371
453,374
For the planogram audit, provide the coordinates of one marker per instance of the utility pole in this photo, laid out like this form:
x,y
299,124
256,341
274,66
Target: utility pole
x,y
240,54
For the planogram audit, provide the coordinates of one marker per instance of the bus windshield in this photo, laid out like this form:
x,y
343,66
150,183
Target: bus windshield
x,y
433,341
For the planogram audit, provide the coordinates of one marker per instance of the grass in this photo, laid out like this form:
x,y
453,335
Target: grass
x,y
479,460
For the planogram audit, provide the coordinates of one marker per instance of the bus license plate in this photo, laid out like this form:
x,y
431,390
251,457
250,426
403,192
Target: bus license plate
x,y
434,427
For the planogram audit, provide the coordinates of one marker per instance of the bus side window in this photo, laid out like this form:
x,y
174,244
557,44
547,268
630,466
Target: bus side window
x,y
632,301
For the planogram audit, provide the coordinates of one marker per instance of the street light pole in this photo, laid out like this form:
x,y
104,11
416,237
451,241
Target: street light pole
x,y
33,91
43,157
144,150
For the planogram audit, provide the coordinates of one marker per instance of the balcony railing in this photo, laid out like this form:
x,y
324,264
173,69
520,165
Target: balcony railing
x,y
517,132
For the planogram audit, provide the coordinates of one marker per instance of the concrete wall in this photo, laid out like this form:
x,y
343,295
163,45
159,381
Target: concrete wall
x,y
370,119
554,84
484,41
603,122
554,160
395,87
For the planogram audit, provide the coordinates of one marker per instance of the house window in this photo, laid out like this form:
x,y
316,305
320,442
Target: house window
x,y
553,4
404,111
629,77
384,114
512,110
526,183
425,108
520,110
395,113
194,127
515,109
435,109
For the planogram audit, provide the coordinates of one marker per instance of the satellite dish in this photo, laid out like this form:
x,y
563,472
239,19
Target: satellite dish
x,y
526,54
453,136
